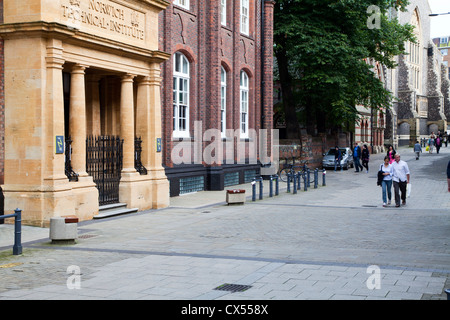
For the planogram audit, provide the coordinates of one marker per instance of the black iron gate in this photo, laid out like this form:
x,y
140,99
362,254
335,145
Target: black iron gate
x,y
104,163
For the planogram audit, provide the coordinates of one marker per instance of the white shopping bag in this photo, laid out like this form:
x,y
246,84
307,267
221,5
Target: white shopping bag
x,y
408,190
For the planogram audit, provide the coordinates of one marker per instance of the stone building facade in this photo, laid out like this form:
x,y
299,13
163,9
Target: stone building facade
x,y
417,83
216,91
84,70
443,44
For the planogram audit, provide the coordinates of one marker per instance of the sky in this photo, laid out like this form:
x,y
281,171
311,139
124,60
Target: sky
x,y
440,25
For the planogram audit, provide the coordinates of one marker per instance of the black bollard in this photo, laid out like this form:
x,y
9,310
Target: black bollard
x,y
271,187
323,177
288,183
305,184
17,248
316,177
277,186
260,188
254,190
294,180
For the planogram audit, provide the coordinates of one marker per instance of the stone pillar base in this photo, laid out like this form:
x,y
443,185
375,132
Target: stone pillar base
x,y
85,195
143,191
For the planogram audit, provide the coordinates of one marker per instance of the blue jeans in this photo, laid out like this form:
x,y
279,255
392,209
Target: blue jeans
x,y
337,163
386,186
357,164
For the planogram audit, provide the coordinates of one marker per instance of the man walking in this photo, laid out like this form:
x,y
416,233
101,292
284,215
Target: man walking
x,y
401,179
356,157
417,150
337,158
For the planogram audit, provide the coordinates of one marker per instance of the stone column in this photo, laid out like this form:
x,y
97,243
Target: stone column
x,y
77,119
93,107
127,123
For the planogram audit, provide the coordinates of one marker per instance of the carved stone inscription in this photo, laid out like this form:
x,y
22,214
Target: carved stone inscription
x,y
106,16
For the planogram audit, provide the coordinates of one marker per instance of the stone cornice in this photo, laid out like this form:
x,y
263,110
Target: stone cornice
x,y
68,34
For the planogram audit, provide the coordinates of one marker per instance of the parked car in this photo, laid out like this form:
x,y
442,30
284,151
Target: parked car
x,y
346,162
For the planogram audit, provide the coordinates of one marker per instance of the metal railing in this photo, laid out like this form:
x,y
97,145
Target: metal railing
x,y
17,215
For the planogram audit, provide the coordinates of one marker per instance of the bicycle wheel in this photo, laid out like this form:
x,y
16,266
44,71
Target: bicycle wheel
x,y
283,174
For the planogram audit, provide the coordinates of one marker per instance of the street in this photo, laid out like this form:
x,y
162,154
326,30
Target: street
x,y
335,242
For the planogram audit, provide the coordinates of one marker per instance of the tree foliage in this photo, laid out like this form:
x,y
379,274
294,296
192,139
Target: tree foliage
x,y
322,48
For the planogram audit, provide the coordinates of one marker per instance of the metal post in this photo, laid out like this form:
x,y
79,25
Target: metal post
x,y
254,190
305,184
299,179
277,186
294,177
323,177
316,177
447,291
271,187
17,248
309,177
260,188
288,182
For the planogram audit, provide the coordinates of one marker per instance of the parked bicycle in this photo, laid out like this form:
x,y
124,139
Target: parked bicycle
x,y
292,169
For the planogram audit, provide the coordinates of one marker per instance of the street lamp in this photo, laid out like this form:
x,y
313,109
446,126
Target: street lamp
x,y
437,14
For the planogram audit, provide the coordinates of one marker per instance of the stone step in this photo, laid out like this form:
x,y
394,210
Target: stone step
x,y
114,209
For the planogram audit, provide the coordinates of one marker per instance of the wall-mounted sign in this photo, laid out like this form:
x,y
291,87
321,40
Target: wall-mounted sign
x,y
158,144
59,144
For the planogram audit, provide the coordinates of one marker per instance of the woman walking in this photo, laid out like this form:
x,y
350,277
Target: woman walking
x,y
391,154
365,157
431,143
386,184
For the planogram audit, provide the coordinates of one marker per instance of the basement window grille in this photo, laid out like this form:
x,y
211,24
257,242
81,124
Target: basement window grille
x,y
192,184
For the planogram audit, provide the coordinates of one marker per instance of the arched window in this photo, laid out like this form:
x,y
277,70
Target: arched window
x,y
223,101
244,104
415,53
180,96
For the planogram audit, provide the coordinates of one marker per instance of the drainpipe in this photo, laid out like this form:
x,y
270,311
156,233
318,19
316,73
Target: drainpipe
x,y
263,47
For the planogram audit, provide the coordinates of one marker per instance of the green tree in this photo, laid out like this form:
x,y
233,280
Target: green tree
x,y
322,49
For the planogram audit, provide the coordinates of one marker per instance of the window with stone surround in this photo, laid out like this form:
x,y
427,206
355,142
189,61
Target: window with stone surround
x,y
223,101
180,96
244,88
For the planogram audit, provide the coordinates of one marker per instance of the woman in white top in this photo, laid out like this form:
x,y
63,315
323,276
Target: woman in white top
x,y
386,184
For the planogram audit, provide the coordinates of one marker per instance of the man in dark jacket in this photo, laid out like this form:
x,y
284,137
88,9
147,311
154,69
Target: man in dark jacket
x,y
337,158
357,156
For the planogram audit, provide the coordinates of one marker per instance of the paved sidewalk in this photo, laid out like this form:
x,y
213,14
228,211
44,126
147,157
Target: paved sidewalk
x,y
333,242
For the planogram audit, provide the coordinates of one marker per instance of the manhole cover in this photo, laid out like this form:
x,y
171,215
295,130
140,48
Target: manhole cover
x,y
233,287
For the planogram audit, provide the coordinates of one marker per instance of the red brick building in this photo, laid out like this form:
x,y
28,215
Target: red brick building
x,y
219,77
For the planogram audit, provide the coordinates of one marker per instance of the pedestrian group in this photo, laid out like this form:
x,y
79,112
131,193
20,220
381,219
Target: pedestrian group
x,y
393,171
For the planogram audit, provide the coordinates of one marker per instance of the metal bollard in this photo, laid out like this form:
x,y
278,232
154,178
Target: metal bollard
x,y
305,184
447,291
299,178
271,187
316,177
323,177
294,177
277,187
260,188
254,190
17,248
288,183
309,177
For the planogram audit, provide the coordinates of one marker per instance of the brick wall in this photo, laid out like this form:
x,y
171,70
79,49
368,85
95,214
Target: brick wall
x,y
209,45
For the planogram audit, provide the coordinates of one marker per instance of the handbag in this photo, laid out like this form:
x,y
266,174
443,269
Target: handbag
x,y
380,176
408,190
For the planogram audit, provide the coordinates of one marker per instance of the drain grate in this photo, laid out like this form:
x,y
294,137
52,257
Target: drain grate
x,y
87,236
233,287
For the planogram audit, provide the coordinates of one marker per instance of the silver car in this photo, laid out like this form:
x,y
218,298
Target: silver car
x,y
346,162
